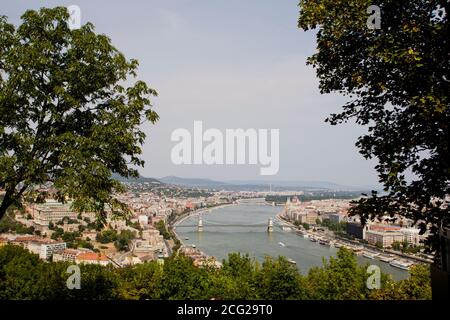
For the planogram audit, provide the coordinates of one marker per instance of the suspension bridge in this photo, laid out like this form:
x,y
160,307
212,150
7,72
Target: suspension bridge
x,y
201,225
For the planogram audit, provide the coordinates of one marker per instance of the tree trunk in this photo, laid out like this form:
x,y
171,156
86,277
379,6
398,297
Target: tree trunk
x,y
6,203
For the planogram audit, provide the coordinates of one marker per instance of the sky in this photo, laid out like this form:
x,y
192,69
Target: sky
x,y
230,64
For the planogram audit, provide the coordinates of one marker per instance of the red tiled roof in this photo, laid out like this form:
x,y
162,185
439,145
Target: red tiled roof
x,y
384,228
92,256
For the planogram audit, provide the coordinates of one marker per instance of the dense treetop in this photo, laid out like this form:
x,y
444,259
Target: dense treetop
x,y
397,79
69,114
24,276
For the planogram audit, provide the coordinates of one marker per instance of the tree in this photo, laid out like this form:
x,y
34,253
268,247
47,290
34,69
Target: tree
x,y
161,227
107,236
65,117
124,239
398,82
339,278
396,245
279,280
24,276
417,287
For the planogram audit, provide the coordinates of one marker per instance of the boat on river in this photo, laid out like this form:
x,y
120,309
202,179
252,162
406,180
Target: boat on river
x,y
281,244
385,258
401,264
291,261
370,255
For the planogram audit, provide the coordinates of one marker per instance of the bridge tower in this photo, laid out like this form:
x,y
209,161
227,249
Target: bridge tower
x,y
200,224
270,225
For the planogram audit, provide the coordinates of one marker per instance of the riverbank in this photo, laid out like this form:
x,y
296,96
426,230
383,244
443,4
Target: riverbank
x,y
243,229
190,214
359,248
180,219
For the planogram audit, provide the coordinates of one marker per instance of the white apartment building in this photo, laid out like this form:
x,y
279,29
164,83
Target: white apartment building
x,y
49,248
383,237
52,211
411,235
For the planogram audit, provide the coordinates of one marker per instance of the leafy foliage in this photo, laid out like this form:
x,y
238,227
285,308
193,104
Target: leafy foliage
x,y
24,276
398,82
65,115
124,239
107,236
161,227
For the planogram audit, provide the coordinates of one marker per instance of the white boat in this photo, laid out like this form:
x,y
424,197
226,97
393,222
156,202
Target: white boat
x,y
370,255
281,244
405,265
357,250
291,261
312,239
186,238
337,245
193,246
385,258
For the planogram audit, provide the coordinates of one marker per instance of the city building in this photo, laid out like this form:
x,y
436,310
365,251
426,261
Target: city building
x,y
66,255
335,217
49,248
383,235
412,236
355,229
92,258
52,211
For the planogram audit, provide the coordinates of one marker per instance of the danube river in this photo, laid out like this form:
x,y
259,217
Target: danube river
x,y
248,234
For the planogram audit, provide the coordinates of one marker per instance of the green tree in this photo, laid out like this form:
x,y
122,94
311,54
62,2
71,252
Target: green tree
x,y
124,239
396,245
65,115
161,227
24,276
398,82
379,245
107,236
182,280
340,278
140,282
242,270
417,287
279,280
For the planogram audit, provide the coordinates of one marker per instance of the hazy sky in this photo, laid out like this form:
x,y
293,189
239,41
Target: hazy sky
x,y
231,64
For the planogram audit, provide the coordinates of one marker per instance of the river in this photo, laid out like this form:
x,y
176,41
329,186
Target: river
x,y
248,234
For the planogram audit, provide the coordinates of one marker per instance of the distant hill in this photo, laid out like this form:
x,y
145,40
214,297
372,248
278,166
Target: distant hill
x,y
297,184
141,179
247,185
192,182
259,185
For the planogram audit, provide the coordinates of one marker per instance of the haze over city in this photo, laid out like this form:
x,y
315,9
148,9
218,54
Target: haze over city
x,y
246,69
